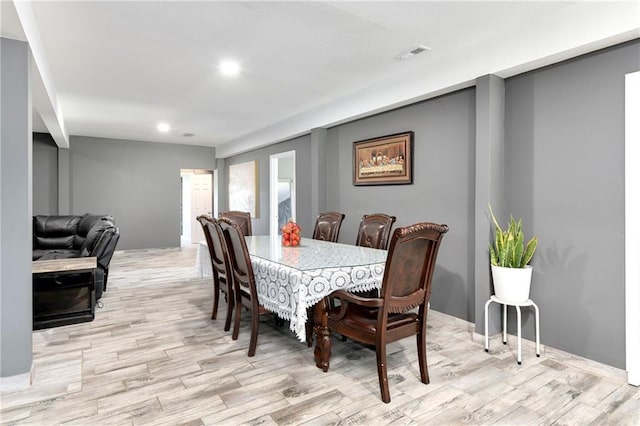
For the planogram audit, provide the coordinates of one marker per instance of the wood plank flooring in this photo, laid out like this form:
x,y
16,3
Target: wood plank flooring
x,y
154,356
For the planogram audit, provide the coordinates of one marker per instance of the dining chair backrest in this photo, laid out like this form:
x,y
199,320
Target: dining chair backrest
x,y
374,231
204,220
219,259
327,226
406,283
239,258
242,219
245,291
220,267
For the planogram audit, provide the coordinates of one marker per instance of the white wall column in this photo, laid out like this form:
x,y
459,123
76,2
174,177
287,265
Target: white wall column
x,y
632,226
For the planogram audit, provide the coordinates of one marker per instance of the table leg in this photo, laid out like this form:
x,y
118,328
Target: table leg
x,y
322,353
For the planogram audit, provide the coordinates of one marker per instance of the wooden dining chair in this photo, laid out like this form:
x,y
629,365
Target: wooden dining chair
x,y
327,226
374,231
406,285
243,280
222,281
243,219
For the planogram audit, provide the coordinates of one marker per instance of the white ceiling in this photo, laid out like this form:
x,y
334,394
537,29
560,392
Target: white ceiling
x,y
119,68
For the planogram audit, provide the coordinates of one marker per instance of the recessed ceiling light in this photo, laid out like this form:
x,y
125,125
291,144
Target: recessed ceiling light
x,y
410,53
163,127
229,68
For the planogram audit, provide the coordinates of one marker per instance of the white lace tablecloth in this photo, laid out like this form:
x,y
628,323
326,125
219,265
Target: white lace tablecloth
x,y
291,279
203,261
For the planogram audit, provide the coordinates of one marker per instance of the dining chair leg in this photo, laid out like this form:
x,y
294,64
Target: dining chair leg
x,y
422,355
255,324
381,358
236,324
227,322
216,296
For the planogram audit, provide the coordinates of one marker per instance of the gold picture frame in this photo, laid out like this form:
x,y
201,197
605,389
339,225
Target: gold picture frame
x,y
386,160
243,187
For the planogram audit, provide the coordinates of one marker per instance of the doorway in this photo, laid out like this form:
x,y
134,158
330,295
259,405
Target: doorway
x,y
197,199
282,190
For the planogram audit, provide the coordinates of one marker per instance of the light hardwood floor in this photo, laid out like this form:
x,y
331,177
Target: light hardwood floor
x,y
153,356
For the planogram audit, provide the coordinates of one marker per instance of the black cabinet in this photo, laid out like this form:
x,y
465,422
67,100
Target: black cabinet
x,y
63,297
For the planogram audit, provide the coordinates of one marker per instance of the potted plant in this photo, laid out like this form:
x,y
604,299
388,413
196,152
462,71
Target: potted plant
x,y
510,261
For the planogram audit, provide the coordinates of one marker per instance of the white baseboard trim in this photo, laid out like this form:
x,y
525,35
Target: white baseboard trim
x,y
18,381
588,365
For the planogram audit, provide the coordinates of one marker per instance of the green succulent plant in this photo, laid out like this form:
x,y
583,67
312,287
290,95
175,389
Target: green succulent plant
x,y
508,249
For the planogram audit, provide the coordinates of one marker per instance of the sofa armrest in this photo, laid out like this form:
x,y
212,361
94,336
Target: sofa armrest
x,y
105,247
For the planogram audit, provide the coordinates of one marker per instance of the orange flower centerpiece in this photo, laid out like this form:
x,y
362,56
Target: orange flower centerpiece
x,y
291,234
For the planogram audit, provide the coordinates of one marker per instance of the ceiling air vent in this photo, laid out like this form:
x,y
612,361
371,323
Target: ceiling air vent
x,y
188,135
409,53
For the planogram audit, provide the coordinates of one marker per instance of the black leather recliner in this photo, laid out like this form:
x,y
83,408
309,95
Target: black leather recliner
x,y
63,237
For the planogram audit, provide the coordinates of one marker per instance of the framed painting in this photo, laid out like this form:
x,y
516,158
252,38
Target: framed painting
x,y
387,160
243,187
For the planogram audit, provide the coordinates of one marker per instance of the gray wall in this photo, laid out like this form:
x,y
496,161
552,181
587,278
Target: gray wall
x,y
442,189
15,211
565,174
563,169
64,182
45,175
301,146
137,182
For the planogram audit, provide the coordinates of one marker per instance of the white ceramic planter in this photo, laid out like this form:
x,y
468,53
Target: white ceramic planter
x,y
512,284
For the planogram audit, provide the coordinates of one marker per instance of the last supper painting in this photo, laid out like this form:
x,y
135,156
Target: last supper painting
x,y
386,160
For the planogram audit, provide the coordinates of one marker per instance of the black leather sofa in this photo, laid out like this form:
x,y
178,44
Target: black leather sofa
x,y
63,237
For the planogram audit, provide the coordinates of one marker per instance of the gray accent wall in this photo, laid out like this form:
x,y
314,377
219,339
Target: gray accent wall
x,y
442,190
15,212
302,147
318,172
560,166
45,174
564,168
137,182
64,182
221,185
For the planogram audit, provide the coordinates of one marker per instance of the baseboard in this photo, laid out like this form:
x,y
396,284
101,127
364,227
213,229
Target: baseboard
x,y
18,381
145,250
588,365
511,340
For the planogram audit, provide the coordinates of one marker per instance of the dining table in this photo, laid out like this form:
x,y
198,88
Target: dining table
x,y
290,280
